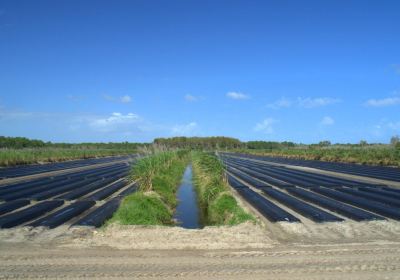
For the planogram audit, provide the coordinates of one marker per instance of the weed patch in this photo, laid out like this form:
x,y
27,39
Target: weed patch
x,y
218,205
158,177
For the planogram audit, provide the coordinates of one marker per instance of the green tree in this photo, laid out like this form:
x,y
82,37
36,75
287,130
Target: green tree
x,y
324,143
363,143
394,140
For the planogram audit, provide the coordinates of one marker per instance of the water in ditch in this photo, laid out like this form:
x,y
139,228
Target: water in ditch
x,y
187,212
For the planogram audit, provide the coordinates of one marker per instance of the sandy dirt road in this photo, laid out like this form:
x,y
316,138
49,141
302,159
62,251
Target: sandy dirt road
x,y
275,251
357,261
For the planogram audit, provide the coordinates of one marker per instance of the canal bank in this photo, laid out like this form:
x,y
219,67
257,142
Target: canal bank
x,y
180,188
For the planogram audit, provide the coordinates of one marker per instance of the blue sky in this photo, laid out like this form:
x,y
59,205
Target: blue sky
x,y
301,71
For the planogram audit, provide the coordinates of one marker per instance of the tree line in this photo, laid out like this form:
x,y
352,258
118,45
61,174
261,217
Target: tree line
x,y
210,143
218,142
23,142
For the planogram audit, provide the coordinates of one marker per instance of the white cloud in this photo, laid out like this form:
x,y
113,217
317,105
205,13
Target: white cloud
x,y
191,98
185,129
87,127
125,99
327,121
265,126
237,95
302,102
316,102
389,101
114,119
281,103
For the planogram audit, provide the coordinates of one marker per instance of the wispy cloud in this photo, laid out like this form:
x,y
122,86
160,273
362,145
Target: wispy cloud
x,y
327,121
111,122
89,127
125,99
316,102
384,102
281,103
75,98
13,114
266,126
303,102
122,99
184,129
237,95
191,98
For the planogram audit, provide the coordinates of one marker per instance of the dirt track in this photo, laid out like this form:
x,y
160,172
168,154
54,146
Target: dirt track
x,y
275,251
374,261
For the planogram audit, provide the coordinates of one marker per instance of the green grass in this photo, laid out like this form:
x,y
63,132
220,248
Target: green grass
x,y
11,157
373,155
142,209
224,210
158,177
218,205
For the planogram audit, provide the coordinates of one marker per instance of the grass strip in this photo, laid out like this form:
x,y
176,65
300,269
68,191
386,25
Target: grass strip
x,y
371,155
11,157
158,177
217,203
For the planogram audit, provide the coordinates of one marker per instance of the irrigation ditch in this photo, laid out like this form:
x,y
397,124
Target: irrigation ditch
x,y
170,188
188,214
180,188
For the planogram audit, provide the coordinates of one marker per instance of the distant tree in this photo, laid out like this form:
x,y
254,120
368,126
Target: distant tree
x,y
324,143
394,140
19,142
209,143
22,142
288,144
363,143
269,145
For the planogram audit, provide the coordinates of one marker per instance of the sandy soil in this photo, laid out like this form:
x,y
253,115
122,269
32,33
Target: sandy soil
x,y
294,262
348,250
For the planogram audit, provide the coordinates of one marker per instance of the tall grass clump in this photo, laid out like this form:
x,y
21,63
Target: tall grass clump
x,y
216,201
157,176
11,157
142,209
383,155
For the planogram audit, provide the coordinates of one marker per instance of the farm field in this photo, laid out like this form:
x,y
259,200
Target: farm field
x,y
379,172
311,226
284,194
87,193
200,140
25,170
